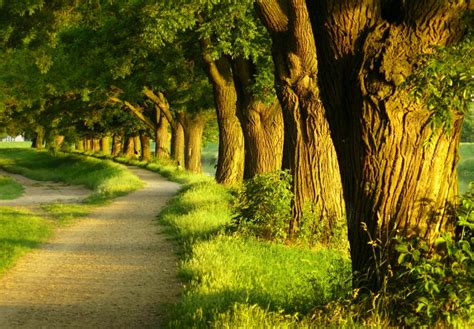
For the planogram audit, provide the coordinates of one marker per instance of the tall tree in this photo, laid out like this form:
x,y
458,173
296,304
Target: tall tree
x,y
308,148
398,169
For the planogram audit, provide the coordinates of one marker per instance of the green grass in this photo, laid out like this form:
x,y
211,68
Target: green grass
x,y
63,213
105,178
4,145
9,188
232,281
466,166
20,231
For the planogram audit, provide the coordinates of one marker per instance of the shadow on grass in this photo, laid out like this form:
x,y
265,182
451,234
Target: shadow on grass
x,y
24,243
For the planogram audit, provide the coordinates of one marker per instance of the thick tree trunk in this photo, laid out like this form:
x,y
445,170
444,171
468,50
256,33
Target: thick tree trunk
x,y
309,152
129,147
96,145
38,139
85,142
263,133
178,140
79,145
117,145
137,146
105,145
193,128
399,175
230,163
262,124
162,139
145,149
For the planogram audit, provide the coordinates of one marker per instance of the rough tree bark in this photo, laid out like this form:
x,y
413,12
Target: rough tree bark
x,y
230,164
38,139
105,145
394,181
96,144
145,147
129,147
178,140
262,124
79,145
163,138
308,148
117,145
193,128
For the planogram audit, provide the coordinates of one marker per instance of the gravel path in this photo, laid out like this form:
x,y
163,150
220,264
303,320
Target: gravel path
x,y
114,269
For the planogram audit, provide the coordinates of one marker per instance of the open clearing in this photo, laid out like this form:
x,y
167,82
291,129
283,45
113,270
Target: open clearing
x,y
113,269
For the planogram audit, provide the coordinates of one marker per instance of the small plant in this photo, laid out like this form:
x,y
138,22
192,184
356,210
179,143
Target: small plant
x,y
429,285
263,208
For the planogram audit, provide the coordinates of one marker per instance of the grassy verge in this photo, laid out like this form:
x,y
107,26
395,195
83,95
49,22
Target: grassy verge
x,y
20,231
9,188
4,145
105,178
232,281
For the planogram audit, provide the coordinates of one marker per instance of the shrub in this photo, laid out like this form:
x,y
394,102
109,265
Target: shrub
x,y
263,208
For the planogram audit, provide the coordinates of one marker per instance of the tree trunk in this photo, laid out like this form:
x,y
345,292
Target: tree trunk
x,y
162,138
230,163
137,146
308,149
399,174
105,145
95,145
145,143
129,147
38,139
178,140
79,145
262,124
117,145
193,129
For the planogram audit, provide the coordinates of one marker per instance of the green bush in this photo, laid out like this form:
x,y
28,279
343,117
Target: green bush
x,y
263,208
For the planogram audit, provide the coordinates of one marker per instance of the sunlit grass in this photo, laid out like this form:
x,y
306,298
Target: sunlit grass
x,y
63,213
9,188
20,231
4,145
236,282
106,178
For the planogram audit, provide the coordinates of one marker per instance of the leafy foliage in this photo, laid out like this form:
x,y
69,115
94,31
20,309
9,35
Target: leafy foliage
x,y
264,206
445,81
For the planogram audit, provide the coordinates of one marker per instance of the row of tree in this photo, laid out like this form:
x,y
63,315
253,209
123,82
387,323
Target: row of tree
x,y
351,96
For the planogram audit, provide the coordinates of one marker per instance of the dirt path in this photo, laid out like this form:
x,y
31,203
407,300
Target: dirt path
x,y
115,269
37,192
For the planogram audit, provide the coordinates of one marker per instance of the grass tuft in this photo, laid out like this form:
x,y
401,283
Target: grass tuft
x,y
9,188
20,231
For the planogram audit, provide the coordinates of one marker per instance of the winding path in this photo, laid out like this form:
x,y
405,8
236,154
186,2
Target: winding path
x,y
114,269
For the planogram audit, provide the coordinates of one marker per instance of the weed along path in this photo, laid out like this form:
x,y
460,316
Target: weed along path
x,y
113,269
